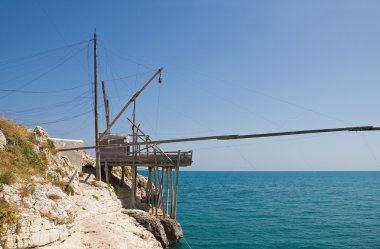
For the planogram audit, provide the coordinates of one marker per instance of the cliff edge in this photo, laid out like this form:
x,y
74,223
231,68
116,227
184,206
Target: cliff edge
x,y
45,203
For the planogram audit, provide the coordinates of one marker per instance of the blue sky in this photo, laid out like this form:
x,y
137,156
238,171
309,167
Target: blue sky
x,y
230,67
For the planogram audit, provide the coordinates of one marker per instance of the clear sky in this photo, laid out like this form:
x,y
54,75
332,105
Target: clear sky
x,y
230,67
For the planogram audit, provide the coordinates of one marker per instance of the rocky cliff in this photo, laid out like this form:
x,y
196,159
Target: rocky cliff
x,y
38,208
35,206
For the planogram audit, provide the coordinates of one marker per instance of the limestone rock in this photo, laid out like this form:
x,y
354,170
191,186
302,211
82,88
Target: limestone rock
x,y
32,231
151,223
41,134
3,141
87,159
173,230
49,201
46,215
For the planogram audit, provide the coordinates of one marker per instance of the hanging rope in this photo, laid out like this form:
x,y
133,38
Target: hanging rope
x,y
158,107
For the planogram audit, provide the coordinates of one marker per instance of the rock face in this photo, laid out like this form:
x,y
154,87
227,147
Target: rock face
x,y
47,216
151,223
87,159
166,230
45,213
124,192
101,222
173,230
49,201
3,141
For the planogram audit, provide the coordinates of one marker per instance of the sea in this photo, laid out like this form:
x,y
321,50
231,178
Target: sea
x,y
236,210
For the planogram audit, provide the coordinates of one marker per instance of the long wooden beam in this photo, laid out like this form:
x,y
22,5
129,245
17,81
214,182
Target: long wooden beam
x,y
230,137
134,97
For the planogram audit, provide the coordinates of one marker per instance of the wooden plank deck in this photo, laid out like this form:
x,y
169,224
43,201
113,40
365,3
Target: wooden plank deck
x,y
123,158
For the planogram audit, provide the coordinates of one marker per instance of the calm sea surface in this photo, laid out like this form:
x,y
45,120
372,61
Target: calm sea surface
x,y
279,209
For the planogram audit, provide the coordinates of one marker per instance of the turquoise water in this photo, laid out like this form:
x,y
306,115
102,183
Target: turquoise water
x,y
279,209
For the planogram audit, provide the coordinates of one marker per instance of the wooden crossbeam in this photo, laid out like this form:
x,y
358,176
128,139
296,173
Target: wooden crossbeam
x,y
230,137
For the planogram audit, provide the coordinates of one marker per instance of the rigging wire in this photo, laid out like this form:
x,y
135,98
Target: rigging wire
x,y
237,85
157,109
44,92
370,150
36,56
117,54
130,76
60,120
241,107
43,74
52,106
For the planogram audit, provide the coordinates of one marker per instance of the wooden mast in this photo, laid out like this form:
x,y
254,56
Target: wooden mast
x,y
98,169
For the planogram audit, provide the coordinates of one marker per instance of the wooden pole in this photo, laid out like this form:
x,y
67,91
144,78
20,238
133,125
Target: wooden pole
x,y
107,171
122,178
147,189
162,189
166,193
134,168
150,188
106,104
233,137
171,191
176,185
157,184
98,169
130,101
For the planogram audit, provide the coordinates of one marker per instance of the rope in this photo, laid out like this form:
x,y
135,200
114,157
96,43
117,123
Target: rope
x,y
187,243
157,109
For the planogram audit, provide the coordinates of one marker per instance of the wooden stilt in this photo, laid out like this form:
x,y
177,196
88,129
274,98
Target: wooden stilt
x,y
157,184
122,176
106,171
133,193
150,189
147,187
171,191
176,186
166,206
162,189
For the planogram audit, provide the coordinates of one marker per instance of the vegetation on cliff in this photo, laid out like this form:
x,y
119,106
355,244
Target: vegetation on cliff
x,y
20,158
27,157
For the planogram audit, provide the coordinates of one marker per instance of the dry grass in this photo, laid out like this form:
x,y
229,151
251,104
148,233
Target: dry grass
x,y
51,147
19,161
54,197
27,190
8,214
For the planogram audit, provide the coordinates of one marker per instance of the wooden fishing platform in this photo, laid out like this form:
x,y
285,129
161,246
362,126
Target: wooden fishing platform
x,y
163,168
144,157
137,150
